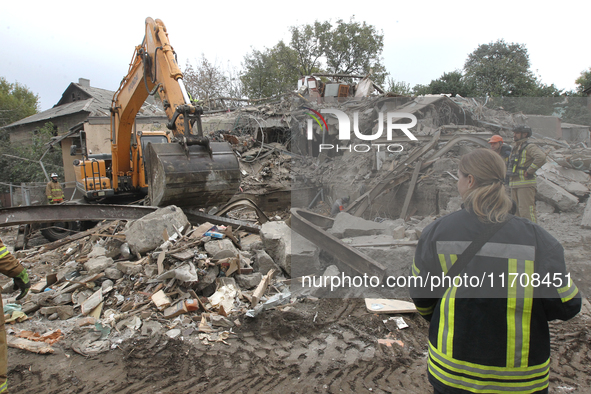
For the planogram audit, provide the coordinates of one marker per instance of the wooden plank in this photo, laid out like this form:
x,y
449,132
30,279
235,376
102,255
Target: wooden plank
x,y
411,189
161,257
383,305
26,344
262,287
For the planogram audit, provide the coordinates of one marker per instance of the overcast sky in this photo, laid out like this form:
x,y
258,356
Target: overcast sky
x,y
48,45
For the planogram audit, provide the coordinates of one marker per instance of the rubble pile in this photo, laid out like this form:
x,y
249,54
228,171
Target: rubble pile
x,y
156,275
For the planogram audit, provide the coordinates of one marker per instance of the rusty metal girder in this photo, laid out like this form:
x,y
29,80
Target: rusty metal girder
x,y
311,226
70,213
95,212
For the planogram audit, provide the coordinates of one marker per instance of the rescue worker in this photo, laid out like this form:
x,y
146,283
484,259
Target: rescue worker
x,y
53,190
339,205
497,145
10,267
493,336
523,163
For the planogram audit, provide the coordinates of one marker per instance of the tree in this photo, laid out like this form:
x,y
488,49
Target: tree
x,y
354,48
20,163
208,81
343,48
584,81
500,69
453,83
402,88
16,102
270,72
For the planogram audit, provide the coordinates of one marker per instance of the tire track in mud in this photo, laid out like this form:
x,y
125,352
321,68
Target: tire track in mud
x,y
327,346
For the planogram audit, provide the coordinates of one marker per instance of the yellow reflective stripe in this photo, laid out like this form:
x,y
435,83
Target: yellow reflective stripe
x,y
523,182
3,251
535,167
528,302
3,386
487,371
451,321
568,292
415,270
519,310
444,322
425,311
511,305
443,263
479,386
446,262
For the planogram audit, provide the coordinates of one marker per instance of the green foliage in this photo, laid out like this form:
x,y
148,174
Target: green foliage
x,y
584,81
500,69
16,102
401,88
354,48
452,83
269,72
343,48
22,162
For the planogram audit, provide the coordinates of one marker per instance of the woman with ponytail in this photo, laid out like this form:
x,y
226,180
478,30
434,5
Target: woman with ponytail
x,y
489,318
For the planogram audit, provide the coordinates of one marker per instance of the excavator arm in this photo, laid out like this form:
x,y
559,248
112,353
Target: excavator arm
x,y
188,171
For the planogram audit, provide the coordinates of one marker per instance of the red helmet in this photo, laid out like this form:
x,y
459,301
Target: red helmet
x,y
495,138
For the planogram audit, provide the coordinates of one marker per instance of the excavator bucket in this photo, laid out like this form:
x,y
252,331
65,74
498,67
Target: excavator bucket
x,y
196,179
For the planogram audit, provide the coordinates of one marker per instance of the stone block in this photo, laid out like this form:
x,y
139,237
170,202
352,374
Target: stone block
x,y
113,273
248,281
98,264
146,234
347,225
215,247
264,262
556,196
129,268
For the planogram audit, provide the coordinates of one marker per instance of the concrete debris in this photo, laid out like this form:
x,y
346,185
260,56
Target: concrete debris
x,y
556,196
146,234
161,275
347,225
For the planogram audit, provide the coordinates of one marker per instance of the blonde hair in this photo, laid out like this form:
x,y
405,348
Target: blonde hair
x,y
487,199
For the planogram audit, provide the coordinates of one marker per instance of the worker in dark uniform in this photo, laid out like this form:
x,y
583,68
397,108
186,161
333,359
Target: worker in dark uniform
x,y
491,336
53,190
10,267
339,205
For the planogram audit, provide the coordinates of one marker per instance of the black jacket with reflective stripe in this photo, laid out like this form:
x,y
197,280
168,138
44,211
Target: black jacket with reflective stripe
x,y
490,335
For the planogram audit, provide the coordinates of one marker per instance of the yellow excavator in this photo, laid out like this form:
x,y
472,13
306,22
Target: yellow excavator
x,y
180,167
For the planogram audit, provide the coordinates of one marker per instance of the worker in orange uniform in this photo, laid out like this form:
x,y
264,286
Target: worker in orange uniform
x,y
497,144
10,267
54,191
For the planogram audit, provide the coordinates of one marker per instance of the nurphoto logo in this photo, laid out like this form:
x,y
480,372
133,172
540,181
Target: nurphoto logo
x,y
345,129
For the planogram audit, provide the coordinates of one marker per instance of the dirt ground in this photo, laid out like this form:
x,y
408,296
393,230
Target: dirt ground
x,y
325,345
312,345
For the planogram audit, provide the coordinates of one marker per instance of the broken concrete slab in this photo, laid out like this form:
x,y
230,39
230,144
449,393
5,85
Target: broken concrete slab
x,y
571,186
556,196
146,234
586,220
304,257
347,225
129,267
208,279
184,273
113,273
215,247
98,264
264,262
249,281
97,251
